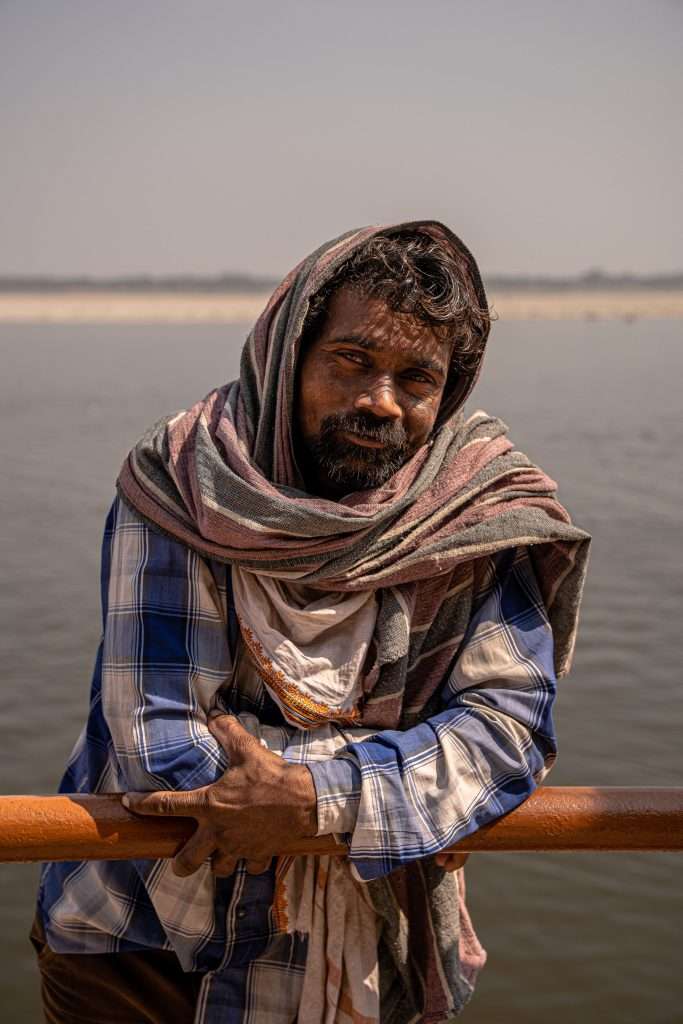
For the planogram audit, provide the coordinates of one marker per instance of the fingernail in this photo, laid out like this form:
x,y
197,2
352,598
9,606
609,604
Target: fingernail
x,y
125,801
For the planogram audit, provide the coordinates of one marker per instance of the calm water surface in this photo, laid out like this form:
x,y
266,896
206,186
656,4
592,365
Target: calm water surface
x,y
570,937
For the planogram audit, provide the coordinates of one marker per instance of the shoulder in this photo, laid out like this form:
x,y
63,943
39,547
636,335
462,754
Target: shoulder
x,y
137,545
508,577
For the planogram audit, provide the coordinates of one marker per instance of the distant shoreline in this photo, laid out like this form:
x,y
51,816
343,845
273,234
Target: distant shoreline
x,y
191,307
246,284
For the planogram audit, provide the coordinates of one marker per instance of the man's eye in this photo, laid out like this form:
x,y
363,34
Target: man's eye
x,y
418,377
354,357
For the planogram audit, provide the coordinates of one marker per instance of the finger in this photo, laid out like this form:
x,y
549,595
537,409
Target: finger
x,y
184,805
194,853
223,865
257,867
232,736
451,861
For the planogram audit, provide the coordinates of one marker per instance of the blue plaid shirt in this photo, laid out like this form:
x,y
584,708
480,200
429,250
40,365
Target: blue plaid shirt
x,y
169,638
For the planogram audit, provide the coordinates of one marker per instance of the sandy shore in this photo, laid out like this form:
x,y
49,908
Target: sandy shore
x,y
129,307
203,307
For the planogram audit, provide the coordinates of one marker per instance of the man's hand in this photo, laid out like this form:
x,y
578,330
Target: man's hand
x,y
451,861
259,802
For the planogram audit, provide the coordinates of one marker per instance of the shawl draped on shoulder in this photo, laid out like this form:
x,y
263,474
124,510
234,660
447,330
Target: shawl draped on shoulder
x,y
222,478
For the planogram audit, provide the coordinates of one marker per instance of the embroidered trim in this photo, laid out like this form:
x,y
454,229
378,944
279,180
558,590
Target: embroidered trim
x,y
280,905
298,704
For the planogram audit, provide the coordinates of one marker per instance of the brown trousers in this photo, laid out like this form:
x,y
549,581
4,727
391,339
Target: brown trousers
x,y
114,988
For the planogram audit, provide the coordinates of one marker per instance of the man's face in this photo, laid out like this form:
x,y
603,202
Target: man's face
x,y
369,389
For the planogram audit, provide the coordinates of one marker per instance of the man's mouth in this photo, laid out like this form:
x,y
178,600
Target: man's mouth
x,y
363,440
355,453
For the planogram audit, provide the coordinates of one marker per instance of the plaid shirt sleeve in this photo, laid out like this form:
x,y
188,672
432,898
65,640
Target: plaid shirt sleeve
x,y
399,796
164,655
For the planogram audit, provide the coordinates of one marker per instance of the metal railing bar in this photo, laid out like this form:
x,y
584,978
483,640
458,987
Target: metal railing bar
x,y
553,819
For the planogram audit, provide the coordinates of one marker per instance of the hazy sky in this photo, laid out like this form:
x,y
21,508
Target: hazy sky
x,y
160,136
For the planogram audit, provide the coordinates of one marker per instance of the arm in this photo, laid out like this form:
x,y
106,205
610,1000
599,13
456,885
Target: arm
x,y
165,653
399,795
417,792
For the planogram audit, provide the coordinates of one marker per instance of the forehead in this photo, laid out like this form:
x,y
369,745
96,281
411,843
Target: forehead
x,y
371,323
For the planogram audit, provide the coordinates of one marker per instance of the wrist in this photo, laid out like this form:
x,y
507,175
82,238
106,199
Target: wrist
x,y
302,789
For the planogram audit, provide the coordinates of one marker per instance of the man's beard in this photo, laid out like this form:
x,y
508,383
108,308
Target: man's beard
x,y
353,467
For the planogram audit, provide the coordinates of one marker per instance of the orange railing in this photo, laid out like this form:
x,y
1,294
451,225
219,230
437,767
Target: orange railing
x,y
553,819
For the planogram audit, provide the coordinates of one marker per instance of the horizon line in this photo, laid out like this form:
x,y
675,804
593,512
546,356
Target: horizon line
x,y
238,281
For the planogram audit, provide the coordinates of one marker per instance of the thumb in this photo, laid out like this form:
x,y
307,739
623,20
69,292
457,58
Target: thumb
x,y
179,805
233,737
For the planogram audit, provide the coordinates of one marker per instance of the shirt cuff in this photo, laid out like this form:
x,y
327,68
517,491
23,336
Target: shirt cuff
x,y
337,787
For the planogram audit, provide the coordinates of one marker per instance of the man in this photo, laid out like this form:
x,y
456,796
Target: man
x,y
331,605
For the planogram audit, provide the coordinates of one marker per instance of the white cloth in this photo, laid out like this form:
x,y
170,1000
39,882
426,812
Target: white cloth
x,y
309,648
318,897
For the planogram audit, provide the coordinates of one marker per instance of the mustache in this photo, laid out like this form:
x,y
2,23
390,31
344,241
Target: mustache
x,y
392,434
349,465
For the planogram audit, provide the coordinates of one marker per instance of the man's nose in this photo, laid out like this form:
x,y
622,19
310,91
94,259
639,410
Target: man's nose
x,y
380,400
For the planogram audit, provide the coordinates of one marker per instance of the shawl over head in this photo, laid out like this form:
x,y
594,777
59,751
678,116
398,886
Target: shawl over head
x,y
222,478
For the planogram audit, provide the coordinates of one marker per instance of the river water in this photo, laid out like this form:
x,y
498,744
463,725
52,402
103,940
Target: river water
x,y
598,404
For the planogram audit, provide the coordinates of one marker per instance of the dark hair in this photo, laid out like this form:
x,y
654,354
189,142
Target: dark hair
x,y
417,275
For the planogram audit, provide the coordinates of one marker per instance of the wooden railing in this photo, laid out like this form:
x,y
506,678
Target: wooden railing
x,y
34,828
